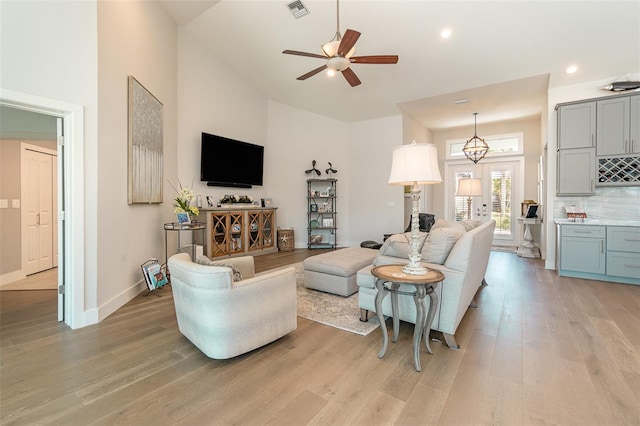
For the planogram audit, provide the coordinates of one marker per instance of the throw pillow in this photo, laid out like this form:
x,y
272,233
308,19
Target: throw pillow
x,y
397,245
440,241
204,260
470,224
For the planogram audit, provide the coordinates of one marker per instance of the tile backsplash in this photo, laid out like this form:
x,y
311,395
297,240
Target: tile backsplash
x,y
609,203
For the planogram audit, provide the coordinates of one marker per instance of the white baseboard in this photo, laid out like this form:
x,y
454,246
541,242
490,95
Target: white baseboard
x,y
11,277
120,300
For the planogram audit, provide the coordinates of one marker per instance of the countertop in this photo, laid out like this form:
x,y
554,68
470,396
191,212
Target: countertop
x,y
604,222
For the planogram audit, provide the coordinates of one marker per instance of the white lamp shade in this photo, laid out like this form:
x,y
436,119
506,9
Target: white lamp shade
x,y
415,163
471,187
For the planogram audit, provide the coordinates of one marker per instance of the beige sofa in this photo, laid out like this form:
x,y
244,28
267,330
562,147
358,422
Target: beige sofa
x,y
225,310
459,250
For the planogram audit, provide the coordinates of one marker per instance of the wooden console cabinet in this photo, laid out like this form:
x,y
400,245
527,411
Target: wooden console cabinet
x,y
239,231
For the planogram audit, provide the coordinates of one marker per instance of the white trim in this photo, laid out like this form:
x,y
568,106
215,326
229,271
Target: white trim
x,y
74,259
11,277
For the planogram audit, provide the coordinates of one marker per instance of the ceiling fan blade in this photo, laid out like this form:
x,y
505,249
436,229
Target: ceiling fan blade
x,y
312,73
311,55
374,59
348,41
351,77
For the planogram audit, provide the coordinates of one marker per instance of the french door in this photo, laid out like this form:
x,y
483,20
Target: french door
x,y
502,183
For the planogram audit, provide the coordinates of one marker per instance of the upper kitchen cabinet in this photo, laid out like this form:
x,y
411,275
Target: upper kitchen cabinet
x,y
635,124
577,125
613,126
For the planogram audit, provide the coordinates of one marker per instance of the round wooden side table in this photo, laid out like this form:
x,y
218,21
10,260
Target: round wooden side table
x,y
388,280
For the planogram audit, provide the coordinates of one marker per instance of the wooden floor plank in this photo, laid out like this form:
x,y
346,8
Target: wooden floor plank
x,y
539,349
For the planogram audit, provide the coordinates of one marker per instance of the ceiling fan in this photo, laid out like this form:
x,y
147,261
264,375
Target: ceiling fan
x,y
338,53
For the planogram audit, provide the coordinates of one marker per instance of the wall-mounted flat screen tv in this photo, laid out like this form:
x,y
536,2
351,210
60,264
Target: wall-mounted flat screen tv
x,y
231,163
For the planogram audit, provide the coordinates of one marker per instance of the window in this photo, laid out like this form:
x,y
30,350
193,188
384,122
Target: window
x,y
499,145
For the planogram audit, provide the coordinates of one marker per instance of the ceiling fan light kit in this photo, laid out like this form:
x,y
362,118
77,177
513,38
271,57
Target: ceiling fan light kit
x,y
338,53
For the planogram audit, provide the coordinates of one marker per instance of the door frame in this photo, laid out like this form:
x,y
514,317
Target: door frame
x,y
479,170
71,221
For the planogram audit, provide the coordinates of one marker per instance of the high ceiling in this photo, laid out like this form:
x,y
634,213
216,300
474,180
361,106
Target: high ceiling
x,y
502,56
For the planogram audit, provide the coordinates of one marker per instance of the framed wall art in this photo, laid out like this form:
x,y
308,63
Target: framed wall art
x,y
145,146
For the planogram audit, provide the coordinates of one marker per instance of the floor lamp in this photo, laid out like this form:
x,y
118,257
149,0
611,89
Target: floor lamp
x,y
469,187
415,164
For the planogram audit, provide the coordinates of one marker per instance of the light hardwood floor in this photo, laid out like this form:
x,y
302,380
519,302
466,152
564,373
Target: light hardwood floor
x,y
539,350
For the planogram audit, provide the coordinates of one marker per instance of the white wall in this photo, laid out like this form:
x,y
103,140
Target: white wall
x,y
375,207
134,38
295,139
49,52
212,99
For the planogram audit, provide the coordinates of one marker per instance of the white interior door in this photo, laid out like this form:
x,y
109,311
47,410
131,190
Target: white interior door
x,y
38,205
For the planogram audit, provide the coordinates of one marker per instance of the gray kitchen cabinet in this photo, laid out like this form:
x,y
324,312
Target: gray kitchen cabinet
x,y
577,125
634,133
612,133
623,251
576,171
583,249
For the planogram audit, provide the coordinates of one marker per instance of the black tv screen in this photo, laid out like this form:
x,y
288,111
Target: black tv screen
x,y
231,163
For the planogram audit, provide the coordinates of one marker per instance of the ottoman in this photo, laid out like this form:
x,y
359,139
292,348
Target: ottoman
x,y
335,271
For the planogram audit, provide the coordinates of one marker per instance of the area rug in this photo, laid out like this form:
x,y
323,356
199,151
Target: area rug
x,y
329,309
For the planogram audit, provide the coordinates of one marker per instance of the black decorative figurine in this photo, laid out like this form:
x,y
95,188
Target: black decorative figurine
x,y
313,168
330,170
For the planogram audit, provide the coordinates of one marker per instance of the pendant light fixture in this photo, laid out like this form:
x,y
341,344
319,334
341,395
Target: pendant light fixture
x,y
476,148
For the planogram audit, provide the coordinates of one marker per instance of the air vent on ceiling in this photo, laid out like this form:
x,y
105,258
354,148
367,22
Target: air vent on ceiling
x,y
297,8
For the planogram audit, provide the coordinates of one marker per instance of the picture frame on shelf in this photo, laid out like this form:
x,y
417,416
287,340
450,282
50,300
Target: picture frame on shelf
x,y
183,218
327,223
210,201
313,208
267,202
324,194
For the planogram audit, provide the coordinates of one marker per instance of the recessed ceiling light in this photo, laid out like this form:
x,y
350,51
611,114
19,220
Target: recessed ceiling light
x,y
445,33
571,69
461,101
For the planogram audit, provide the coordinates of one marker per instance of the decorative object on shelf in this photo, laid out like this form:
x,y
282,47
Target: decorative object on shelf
x,y
415,164
476,148
236,199
313,168
524,206
469,187
267,202
314,224
145,145
182,203
622,86
330,169
327,223
315,239
183,218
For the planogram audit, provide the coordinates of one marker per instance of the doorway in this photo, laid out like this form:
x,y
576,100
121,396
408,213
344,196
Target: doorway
x,y
502,183
70,204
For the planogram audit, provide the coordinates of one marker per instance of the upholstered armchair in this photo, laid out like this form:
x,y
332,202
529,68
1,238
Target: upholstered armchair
x,y
224,318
